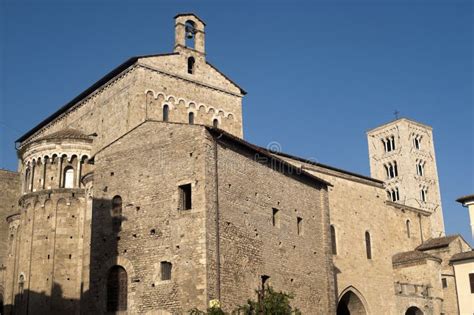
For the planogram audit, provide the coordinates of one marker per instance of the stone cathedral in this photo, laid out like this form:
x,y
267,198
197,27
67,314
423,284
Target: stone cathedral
x,y
141,196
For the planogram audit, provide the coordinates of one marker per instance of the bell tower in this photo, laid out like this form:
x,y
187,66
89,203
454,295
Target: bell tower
x,y
402,154
189,33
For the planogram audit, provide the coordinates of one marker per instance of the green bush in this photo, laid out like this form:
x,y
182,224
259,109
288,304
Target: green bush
x,y
273,303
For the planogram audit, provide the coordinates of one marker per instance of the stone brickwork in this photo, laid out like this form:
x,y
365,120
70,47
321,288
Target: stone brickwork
x,y
145,168
9,194
452,245
131,202
359,205
402,154
284,250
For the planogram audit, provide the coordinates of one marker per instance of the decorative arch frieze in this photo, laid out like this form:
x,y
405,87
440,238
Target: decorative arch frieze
x,y
174,102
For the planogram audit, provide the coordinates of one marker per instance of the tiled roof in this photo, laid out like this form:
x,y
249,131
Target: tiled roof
x,y
410,256
464,199
65,134
462,256
438,242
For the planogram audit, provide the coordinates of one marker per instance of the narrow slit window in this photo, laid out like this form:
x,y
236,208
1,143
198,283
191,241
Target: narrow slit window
x,y
166,267
408,223
299,225
444,283
166,113
191,118
368,245
333,240
116,213
191,63
215,123
185,198
276,217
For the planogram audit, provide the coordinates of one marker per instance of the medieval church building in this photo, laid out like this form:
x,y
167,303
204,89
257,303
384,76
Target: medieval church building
x,y
140,196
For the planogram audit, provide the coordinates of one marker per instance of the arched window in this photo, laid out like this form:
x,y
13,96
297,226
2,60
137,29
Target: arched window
x,y
116,213
190,29
191,62
191,118
27,180
68,177
166,112
423,194
408,223
117,283
420,168
215,123
333,240
368,245
394,194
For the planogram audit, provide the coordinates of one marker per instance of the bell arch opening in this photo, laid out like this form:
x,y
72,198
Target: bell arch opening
x,y
351,304
413,311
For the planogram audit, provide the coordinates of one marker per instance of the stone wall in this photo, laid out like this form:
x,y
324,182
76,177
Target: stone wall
x,y
145,168
445,253
418,284
358,205
250,187
9,194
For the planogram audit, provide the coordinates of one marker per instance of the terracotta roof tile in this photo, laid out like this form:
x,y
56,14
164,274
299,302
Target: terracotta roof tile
x,y
462,256
438,242
411,256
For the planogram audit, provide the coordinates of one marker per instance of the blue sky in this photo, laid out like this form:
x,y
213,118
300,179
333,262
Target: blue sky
x,y
318,74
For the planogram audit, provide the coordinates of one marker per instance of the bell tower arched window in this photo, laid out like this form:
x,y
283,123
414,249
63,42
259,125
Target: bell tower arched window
x,y
68,181
190,30
117,289
191,62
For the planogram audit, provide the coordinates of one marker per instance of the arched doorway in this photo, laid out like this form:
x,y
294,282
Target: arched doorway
x,y
413,311
351,304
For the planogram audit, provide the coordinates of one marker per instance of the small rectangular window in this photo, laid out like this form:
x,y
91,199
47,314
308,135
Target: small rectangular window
x,y
444,282
166,270
471,281
299,225
185,202
275,217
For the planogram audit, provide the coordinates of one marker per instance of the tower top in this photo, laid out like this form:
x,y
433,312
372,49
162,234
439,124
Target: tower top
x,y
397,121
188,15
189,33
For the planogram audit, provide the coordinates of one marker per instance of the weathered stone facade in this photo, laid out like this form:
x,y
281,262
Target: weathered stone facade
x,y
9,189
140,196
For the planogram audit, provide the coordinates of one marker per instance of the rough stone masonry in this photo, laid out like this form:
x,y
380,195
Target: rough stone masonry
x,y
140,196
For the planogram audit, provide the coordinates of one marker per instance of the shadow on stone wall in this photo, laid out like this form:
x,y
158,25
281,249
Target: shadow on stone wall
x,y
30,302
105,232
